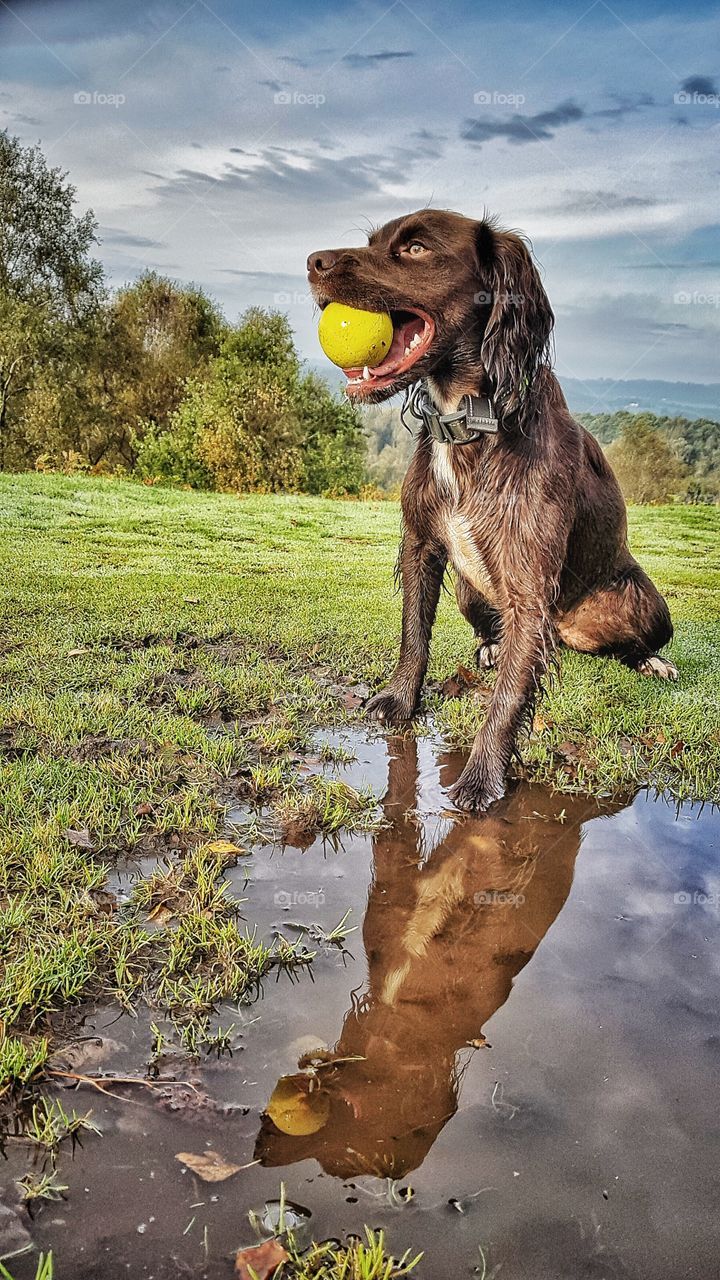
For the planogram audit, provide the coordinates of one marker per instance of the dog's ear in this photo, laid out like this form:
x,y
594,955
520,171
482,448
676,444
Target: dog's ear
x,y
516,340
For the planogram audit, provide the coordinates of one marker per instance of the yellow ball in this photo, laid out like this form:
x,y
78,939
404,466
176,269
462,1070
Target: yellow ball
x,y
352,338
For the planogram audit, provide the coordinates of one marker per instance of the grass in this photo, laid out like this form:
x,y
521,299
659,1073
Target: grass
x,y
165,655
365,1259
43,1271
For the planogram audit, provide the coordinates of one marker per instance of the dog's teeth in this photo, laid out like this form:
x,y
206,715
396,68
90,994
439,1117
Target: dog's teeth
x,y
407,351
366,372
415,340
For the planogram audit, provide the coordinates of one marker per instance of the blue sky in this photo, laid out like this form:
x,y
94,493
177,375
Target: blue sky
x,y
222,142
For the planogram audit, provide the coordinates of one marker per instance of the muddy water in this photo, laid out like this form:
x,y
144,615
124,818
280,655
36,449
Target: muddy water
x,y
579,941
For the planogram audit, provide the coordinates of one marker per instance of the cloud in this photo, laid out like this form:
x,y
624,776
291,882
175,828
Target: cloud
x,y
114,235
625,106
297,174
700,84
589,201
361,61
521,128
276,86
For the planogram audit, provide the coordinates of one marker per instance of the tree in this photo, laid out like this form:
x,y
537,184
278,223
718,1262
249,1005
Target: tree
x,y
252,422
159,334
644,464
333,442
50,286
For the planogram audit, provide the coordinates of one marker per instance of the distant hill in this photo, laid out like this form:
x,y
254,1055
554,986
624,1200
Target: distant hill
x,y
604,395
667,399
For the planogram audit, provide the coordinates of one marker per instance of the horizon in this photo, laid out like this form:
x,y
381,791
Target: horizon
x,y
215,148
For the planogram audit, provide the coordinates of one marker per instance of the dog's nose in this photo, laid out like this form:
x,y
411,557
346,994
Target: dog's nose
x,y
321,261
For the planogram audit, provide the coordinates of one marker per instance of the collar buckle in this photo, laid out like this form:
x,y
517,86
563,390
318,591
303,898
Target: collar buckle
x,y
474,418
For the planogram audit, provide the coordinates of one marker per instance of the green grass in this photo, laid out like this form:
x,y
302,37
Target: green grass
x,y
166,654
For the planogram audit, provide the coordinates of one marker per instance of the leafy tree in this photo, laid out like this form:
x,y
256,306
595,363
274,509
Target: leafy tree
x,y
253,423
50,286
157,334
333,443
645,465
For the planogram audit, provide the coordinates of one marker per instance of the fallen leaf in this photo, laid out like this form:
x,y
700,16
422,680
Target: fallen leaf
x,y
226,848
81,839
539,725
209,1166
160,914
466,674
260,1260
452,687
75,653
351,700
191,599
459,683
143,810
295,1107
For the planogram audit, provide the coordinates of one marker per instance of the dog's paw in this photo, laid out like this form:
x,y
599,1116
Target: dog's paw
x,y
660,668
474,792
487,654
388,708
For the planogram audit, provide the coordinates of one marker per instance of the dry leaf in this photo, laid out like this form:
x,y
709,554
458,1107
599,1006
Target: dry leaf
x,y
191,599
260,1260
539,725
75,653
459,683
160,914
209,1166
81,839
226,848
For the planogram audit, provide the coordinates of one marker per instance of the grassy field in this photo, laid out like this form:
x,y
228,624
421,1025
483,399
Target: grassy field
x,y
165,654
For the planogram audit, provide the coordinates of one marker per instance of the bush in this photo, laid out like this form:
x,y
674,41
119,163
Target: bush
x,y
646,468
252,424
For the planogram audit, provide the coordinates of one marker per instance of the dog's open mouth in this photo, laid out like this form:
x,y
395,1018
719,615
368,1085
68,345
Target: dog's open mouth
x,y
413,332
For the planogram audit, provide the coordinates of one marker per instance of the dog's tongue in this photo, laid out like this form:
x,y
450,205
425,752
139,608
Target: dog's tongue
x,y
406,337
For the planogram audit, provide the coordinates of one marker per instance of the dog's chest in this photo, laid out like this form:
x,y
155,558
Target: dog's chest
x,y
454,527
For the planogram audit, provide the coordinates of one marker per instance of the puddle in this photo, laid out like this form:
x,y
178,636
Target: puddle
x,y
580,941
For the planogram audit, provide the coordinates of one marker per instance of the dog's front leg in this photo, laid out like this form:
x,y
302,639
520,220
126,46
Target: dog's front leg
x,y
421,570
527,642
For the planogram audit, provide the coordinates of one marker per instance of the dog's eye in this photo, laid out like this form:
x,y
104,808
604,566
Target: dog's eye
x,y
415,248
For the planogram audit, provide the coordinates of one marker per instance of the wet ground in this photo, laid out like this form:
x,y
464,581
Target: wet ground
x,y
517,1052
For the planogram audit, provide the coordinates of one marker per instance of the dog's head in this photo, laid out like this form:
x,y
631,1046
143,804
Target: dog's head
x,y
465,299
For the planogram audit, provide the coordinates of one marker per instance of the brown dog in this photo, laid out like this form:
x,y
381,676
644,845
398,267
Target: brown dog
x,y
504,485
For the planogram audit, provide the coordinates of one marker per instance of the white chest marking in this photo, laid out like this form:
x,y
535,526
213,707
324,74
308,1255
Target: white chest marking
x,y
443,470
464,555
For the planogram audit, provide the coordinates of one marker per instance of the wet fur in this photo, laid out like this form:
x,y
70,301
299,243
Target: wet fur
x,y
533,517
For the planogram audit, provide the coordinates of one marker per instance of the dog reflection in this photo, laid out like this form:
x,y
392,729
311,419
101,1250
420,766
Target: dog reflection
x,y
446,932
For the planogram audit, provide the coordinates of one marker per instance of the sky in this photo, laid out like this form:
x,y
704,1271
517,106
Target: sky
x,y
222,142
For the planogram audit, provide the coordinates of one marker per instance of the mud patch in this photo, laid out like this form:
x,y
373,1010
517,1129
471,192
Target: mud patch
x,y
516,1048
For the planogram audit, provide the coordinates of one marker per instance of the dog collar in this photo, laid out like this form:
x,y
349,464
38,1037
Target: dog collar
x,y
475,417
